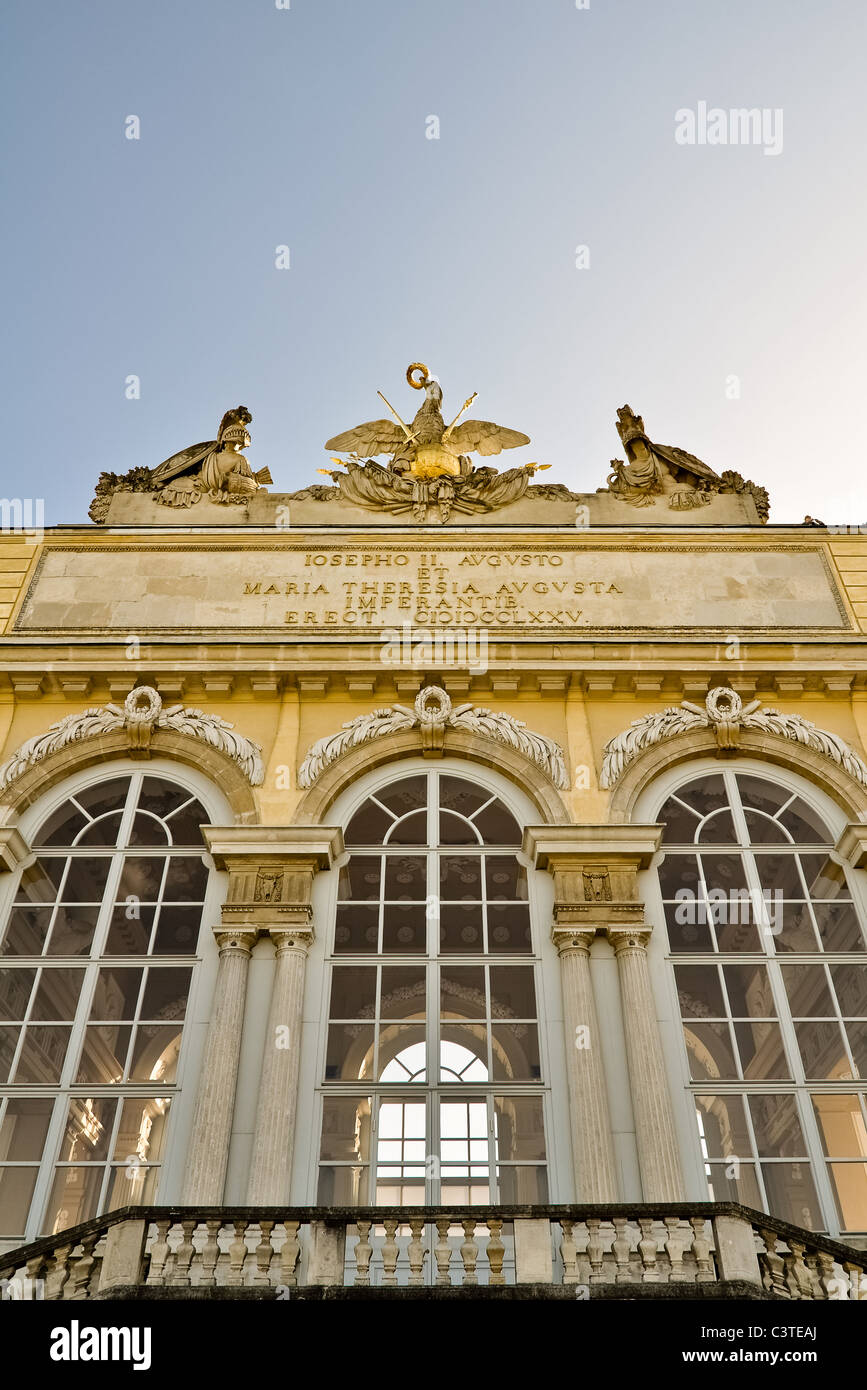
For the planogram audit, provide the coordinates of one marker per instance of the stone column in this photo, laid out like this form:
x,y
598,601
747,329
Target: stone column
x,y
658,1156
271,1164
592,1143
208,1153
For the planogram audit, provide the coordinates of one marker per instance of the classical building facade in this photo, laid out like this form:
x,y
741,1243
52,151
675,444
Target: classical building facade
x,y
433,878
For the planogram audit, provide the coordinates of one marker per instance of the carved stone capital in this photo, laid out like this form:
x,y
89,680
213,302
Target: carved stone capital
x,y
577,940
631,938
271,870
298,939
239,942
595,870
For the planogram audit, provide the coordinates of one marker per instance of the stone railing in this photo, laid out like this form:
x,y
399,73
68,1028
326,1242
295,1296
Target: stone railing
x,y
699,1250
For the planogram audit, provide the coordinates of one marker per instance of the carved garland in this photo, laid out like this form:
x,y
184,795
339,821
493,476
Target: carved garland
x,y
141,714
725,713
433,713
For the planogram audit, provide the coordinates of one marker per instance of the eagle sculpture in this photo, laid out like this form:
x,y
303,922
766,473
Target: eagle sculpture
x,y
427,448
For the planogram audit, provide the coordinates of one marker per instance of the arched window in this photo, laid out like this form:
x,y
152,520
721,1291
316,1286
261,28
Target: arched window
x,y
767,946
432,1082
98,950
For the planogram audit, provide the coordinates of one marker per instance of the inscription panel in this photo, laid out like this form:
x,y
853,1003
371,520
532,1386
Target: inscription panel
x,y
345,587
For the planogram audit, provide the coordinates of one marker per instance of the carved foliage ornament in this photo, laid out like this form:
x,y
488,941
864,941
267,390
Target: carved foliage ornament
x,y
727,715
141,714
432,714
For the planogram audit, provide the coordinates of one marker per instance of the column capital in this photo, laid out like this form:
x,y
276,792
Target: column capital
x,y
235,942
852,844
14,849
567,939
271,870
626,938
288,939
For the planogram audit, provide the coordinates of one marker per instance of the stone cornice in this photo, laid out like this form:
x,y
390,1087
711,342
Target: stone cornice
x,y
559,846
852,844
14,849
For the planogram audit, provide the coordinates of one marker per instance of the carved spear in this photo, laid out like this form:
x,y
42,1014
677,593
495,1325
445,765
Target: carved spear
x,y
466,405
406,429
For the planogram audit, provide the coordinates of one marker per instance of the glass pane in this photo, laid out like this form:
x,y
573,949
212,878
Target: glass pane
x,y
699,991
710,1052
749,991
8,1043
26,931
155,1053
454,830
186,880
850,1193
462,991
405,878
777,1127
461,929
404,929
141,878
73,930
409,830
509,929
343,1187
733,1182
402,1053
838,927
497,826
368,826
116,993
103,831
88,1129
131,1185
792,1195
685,934
353,991
357,930
56,997
409,794
39,883
457,794
16,986
718,829
166,993
403,992
505,878
177,930
62,826
42,1056
825,879
857,1035
841,1126
85,882
793,929
724,872
461,878
761,1050
681,824
762,795
349,1052
723,1126
148,830
678,871
16,1194
522,1186
515,1052
513,991
161,797
850,985
184,826
24,1129
101,797
764,831
823,1052
807,990
805,825
346,1128
519,1128
129,931
103,1055
463,1052
779,873
74,1198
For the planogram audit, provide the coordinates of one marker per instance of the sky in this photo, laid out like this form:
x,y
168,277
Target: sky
x,y
721,291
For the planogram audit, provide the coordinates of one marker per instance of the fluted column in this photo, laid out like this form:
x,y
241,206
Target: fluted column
x,y
208,1153
658,1157
278,1095
592,1144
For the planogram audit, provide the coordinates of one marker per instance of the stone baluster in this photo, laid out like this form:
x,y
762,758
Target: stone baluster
x,y
363,1252
773,1266
857,1281
595,1250
290,1253
496,1252
469,1251
264,1254
159,1253
647,1248
34,1272
704,1270
827,1278
797,1275
82,1270
237,1254
416,1250
620,1248
58,1272
442,1250
215,1103
674,1246
184,1254
568,1252
658,1157
389,1251
210,1252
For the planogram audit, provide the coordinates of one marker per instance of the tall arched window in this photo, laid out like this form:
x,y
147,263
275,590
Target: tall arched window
x,y
432,1082
767,946
98,950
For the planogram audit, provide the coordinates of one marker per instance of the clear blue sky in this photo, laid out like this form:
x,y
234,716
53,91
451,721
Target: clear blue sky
x,y
306,127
